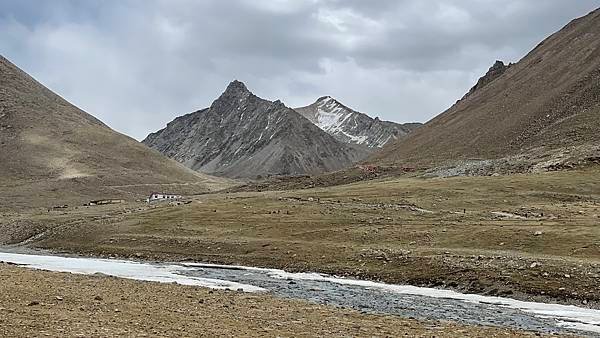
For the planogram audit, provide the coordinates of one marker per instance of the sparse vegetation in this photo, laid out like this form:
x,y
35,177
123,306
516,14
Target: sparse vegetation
x,y
476,234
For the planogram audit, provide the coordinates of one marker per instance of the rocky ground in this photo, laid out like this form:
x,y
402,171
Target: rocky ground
x,y
37,303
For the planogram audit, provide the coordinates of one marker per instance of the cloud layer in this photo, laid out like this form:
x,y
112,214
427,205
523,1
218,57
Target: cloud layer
x,y
136,64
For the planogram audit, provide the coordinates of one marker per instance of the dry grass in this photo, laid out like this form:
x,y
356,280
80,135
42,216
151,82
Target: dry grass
x,y
439,232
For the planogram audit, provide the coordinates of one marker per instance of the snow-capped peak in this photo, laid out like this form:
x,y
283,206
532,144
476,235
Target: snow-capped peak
x,y
348,125
330,114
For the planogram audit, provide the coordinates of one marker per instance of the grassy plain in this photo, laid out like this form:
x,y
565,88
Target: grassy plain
x,y
522,236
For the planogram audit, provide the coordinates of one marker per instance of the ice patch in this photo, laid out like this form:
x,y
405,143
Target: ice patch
x,y
567,316
123,269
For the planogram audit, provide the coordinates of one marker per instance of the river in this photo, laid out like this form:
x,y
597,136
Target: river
x,y
372,297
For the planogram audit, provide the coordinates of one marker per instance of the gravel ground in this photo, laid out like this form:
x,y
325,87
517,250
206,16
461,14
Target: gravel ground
x,y
37,303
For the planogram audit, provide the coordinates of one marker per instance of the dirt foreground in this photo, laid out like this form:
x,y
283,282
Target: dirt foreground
x,y
40,303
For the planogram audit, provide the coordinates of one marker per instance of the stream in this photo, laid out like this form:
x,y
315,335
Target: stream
x,y
370,297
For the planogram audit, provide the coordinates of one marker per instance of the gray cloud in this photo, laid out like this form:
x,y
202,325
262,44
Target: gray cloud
x,y
136,64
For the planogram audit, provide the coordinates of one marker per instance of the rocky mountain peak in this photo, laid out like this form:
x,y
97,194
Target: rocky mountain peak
x,y
236,89
234,95
498,65
243,135
495,71
350,126
325,98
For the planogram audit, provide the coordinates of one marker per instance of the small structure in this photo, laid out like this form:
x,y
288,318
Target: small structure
x,y
105,202
159,196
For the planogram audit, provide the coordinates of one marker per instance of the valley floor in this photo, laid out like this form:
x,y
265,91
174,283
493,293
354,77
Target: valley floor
x,y
534,237
39,303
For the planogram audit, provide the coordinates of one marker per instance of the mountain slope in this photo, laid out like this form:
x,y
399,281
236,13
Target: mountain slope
x,y
548,101
45,139
350,126
242,135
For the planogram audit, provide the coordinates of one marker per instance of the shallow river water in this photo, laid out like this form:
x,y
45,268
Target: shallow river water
x,y
372,297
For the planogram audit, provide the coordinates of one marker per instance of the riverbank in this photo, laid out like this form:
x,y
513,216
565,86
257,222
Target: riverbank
x,y
59,304
529,237
425,304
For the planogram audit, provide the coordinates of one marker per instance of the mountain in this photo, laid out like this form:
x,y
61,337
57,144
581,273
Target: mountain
x,y
53,148
350,126
542,110
243,136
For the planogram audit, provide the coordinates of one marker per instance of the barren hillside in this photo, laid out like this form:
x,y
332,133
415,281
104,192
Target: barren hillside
x,y
53,149
546,103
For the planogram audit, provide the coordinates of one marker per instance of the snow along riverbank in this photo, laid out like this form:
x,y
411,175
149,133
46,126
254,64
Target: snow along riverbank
x,y
402,300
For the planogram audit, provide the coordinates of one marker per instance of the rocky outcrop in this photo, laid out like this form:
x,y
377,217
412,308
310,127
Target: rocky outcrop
x,y
495,71
350,126
243,136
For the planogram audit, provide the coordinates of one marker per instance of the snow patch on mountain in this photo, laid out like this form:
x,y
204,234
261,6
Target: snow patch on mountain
x,y
350,126
330,115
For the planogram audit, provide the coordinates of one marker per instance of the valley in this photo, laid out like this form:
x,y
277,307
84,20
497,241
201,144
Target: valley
x,y
531,237
252,218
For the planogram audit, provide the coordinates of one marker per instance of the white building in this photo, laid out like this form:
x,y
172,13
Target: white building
x,y
159,196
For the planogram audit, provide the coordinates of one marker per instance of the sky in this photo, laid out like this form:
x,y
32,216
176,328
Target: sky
x,y
137,64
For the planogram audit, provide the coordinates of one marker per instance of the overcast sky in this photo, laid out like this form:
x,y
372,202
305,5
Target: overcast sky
x,y
138,64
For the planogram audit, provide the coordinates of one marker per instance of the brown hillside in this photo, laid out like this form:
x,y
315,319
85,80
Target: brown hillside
x,y
548,100
50,148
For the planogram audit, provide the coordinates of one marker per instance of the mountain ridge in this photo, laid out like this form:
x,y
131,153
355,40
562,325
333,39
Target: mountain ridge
x,y
536,109
243,136
350,126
